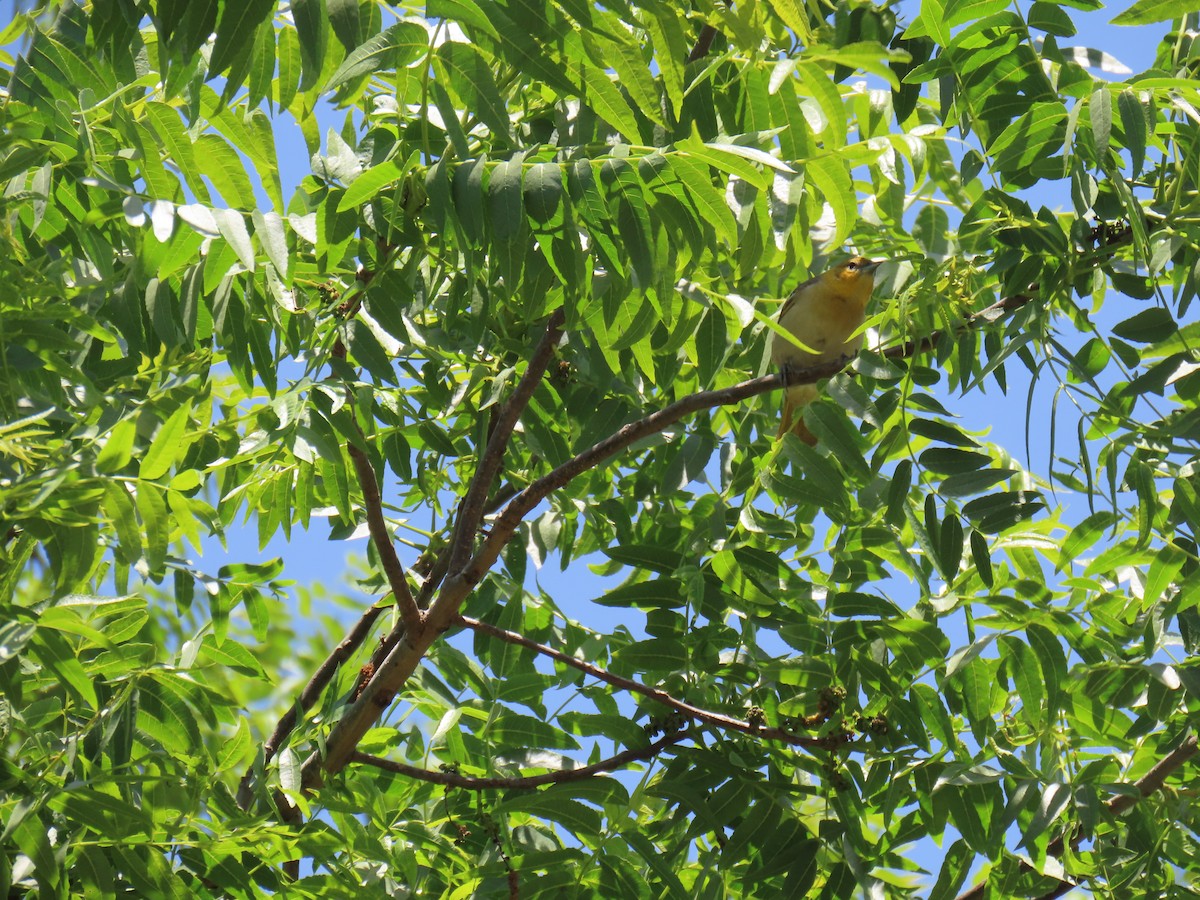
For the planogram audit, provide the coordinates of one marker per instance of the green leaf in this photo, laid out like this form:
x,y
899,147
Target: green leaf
x,y
371,183
312,28
1147,327
289,60
121,511
707,199
949,461
1051,659
233,228
504,198
396,47
646,556
235,28
720,158
465,12
1133,121
262,65
1034,138
601,94
54,653
178,145
471,81
216,159
853,604
1090,360
268,228
118,447
1051,19
168,445
1023,669
156,525
666,35
1083,536
981,557
794,16
633,221
1100,107
343,16
828,174
543,192
833,427
1146,12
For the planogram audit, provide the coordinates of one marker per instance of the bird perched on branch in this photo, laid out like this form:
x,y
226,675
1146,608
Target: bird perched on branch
x,y
822,313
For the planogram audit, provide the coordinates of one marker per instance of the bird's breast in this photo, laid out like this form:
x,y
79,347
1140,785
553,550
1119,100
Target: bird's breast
x,y
823,324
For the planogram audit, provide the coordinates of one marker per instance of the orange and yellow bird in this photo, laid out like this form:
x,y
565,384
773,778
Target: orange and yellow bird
x,y
822,313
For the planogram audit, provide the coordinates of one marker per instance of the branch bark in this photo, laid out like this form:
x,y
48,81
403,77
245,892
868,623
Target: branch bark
x,y
309,696
392,568
470,513
453,779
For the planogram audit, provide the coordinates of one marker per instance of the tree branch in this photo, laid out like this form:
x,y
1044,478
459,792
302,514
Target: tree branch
x,y
373,502
703,43
660,696
1150,783
471,511
453,779
309,696
527,499
392,568
403,657
1153,781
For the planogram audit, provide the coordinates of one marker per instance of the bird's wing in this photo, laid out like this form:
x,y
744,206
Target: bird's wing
x,y
795,294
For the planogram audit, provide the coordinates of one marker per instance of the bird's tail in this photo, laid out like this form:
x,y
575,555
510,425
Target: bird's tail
x,y
793,420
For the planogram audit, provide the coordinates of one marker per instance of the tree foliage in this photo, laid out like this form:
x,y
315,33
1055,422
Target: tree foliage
x,y
516,318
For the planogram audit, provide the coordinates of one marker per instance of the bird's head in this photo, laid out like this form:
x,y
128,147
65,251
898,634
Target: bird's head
x,y
857,272
852,280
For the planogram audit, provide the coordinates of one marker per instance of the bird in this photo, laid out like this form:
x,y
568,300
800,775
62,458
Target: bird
x,y
822,313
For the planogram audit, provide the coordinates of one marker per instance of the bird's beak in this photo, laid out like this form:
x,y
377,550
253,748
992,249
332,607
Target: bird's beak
x,y
873,265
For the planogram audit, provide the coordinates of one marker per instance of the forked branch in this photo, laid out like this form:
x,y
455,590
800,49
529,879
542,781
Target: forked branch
x,y
403,657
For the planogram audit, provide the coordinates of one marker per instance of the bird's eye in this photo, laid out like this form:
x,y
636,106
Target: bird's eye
x,y
852,266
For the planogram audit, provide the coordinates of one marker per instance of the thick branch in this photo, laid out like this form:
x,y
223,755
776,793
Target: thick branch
x,y
527,499
472,509
695,712
453,779
1150,783
506,524
1153,781
382,540
703,43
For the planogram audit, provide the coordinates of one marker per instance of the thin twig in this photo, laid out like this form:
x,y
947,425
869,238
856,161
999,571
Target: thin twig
x,y
453,779
377,525
382,539
695,712
1150,783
